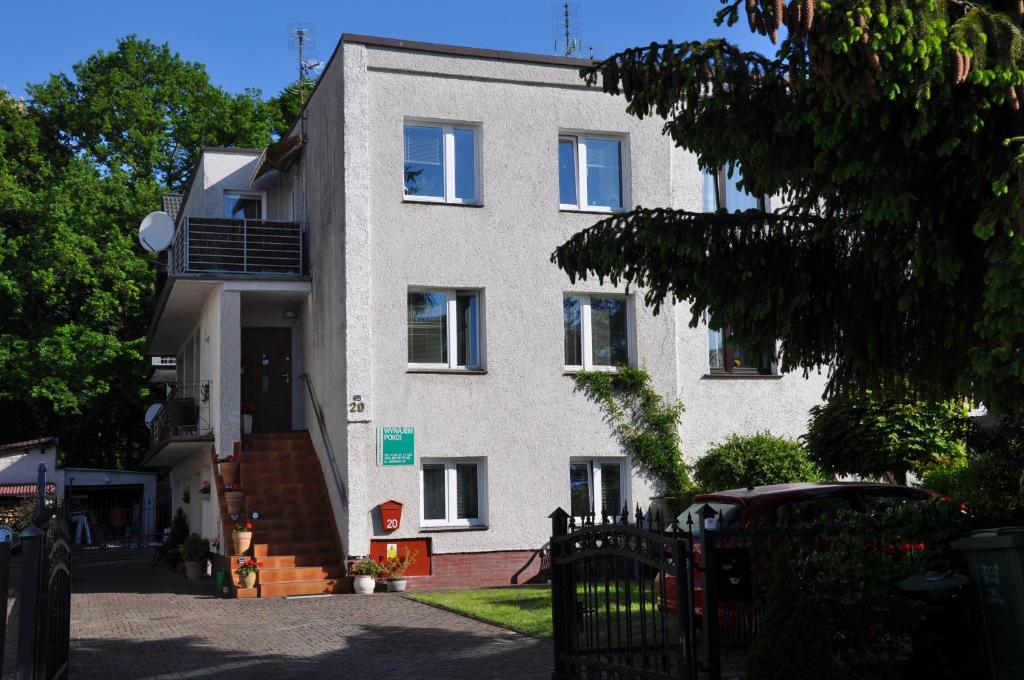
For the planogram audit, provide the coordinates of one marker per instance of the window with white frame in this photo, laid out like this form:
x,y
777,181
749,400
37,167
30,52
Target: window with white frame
x,y
444,328
598,331
598,485
452,492
242,205
591,172
441,163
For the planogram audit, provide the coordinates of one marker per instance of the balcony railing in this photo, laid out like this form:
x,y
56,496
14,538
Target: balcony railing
x,y
211,245
185,413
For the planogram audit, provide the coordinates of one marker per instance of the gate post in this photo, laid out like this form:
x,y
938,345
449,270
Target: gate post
x,y
28,600
709,537
559,528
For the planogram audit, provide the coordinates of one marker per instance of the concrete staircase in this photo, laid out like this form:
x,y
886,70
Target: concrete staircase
x,y
295,535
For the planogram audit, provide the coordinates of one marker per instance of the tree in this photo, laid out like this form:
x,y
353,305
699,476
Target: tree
x,y
81,162
892,130
285,107
876,434
144,110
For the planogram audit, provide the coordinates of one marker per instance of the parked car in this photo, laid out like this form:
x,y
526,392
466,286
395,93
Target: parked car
x,y
782,507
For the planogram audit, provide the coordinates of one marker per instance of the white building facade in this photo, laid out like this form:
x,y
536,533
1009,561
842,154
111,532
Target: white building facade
x,y
430,185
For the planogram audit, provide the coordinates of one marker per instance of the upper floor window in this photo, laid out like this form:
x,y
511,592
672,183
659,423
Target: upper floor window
x,y
441,163
240,205
591,173
725,356
720,191
597,331
444,329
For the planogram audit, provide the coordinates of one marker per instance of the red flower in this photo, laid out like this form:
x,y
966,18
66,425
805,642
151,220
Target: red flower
x,y
248,525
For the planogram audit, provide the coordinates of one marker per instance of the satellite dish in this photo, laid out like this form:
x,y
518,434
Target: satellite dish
x,y
156,231
151,413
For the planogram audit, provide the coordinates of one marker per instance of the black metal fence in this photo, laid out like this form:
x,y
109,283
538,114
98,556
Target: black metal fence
x,y
44,625
630,600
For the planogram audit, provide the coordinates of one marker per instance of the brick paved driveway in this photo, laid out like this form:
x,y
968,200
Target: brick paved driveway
x,y
131,620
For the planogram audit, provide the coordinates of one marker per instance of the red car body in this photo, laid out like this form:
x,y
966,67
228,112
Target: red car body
x,y
777,506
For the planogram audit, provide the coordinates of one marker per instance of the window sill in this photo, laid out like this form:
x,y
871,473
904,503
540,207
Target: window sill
x,y
449,371
592,369
426,201
446,530
592,211
741,376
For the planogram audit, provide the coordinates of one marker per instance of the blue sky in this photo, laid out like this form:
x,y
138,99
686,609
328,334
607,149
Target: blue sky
x,y
246,44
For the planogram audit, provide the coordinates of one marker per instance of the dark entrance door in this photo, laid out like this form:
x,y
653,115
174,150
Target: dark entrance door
x,y
267,378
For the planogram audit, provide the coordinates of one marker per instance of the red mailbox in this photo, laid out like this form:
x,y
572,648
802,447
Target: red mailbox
x,y
390,515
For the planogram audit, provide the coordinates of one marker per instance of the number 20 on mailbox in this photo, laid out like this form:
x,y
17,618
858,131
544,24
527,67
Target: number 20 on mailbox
x,y
390,515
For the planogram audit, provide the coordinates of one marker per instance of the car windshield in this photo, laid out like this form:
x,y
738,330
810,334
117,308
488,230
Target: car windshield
x,y
808,510
730,513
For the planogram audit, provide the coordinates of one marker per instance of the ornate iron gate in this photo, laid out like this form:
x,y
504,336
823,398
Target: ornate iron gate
x,y
623,600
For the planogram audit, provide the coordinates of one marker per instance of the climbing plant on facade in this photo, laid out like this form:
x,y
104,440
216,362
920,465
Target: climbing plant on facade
x,y
646,424
891,129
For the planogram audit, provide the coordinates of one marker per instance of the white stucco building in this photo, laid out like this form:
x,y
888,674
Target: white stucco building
x,y
390,259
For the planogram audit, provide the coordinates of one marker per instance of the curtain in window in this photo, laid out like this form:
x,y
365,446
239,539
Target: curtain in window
x,y
571,319
424,160
467,330
433,492
467,505
566,172
611,488
465,165
579,489
428,327
609,342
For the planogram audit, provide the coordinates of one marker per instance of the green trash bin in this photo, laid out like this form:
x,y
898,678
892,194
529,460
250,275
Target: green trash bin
x,y
995,558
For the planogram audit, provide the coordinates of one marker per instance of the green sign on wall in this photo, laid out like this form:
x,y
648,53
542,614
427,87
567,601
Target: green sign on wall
x,y
395,446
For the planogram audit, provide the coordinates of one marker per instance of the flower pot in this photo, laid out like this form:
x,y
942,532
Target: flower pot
x,y
228,472
194,570
235,499
249,580
363,585
396,585
240,541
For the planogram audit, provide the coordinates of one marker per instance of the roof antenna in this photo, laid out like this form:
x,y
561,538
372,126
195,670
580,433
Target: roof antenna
x,y
300,37
565,25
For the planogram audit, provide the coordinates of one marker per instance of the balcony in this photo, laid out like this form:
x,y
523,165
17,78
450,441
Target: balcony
x,y
163,370
183,424
211,246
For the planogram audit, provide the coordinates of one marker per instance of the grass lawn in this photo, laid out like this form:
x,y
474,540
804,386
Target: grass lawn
x,y
524,608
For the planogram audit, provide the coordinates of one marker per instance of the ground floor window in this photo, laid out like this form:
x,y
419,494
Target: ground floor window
x,y
597,486
452,492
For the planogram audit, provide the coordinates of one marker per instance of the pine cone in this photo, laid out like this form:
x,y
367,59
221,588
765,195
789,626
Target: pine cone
x,y
807,15
959,68
780,9
876,61
752,19
773,35
862,22
1011,95
793,16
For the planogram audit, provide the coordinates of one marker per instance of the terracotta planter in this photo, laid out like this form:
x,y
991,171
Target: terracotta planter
x,y
194,570
236,501
249,580
363,585
228,472
396,585
240,541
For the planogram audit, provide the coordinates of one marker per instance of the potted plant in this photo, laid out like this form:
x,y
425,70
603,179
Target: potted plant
x,y
365,573
247,572
194,553
394,569
235,500
228,469
241,538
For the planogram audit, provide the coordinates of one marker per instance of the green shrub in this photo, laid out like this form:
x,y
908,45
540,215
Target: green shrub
x,y
792,642
195,548
876,434
754,460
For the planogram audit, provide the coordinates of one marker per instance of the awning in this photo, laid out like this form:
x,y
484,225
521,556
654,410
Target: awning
x,y
25,489
278,156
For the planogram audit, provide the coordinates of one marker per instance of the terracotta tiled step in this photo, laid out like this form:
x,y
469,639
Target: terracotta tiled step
x,y
246,593
301,547
292,511
297,574
319,522
282,473
314,499
274,455
279,445
299,588
279,436
259,535
326,559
